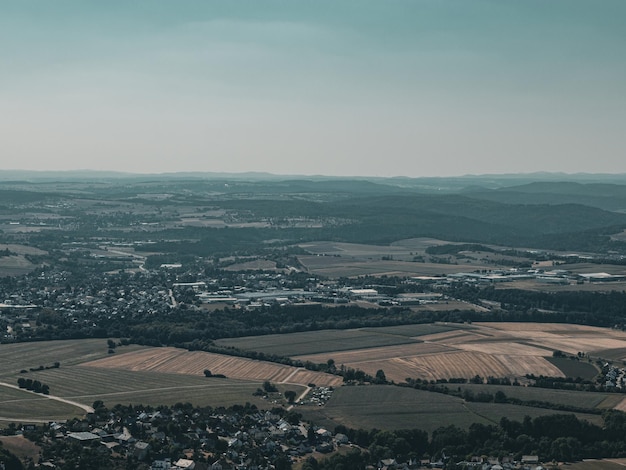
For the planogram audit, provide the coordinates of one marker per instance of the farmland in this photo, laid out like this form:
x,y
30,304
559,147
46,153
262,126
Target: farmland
x,y
439,351
137,374
312,342
149,376
340,266
386,407
178,361
600,400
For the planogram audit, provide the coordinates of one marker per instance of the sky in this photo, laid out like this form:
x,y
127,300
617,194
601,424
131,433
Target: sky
x,y
326,87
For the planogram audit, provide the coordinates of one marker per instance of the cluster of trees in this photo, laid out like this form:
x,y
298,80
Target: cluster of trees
x,y
582,307
567,383
560,437
8,461
33,385
483,396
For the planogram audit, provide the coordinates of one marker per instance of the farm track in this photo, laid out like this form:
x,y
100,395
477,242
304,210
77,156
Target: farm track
x,y
86,408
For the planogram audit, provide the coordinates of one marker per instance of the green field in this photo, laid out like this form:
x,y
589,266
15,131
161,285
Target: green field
x,y
562,397
418,330
18,356
316,342
388,407
21,405
88,384
572,368
358,406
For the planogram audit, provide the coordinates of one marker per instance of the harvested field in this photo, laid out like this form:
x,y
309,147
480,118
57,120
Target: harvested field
x,y
389,352
503,348
604,464
558,328
533,285
455,337
567,338
87,384
450,350
180,361
21,447
434,361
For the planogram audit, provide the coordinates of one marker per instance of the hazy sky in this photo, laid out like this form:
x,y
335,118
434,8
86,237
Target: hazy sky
x,y
338,87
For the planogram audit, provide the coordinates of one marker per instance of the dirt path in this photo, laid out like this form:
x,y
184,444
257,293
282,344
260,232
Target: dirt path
x,y
86,408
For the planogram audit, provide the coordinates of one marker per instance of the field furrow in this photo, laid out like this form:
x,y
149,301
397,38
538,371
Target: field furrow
x,y
177,361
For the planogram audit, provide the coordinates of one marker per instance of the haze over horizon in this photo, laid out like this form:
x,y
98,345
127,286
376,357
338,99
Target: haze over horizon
x,y
349,88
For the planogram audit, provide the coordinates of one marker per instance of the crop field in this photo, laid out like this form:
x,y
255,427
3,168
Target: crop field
x,y
86,385
180,361
564,397
456,364
376,354
157,376
313,342
22,249
568,338
344,266
417,330
529,284
573,368
604,464
21,405
618,354
485,349
14,265
259,264
21,447
386,407
18,356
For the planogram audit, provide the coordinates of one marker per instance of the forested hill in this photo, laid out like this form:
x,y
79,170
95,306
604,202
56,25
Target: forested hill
x,y
542,215
601,195
387,218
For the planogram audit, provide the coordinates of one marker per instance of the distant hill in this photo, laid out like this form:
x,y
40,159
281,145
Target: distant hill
x,y
602,195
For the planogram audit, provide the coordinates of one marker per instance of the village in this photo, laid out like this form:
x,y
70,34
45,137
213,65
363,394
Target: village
x,y
238,438
93,300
